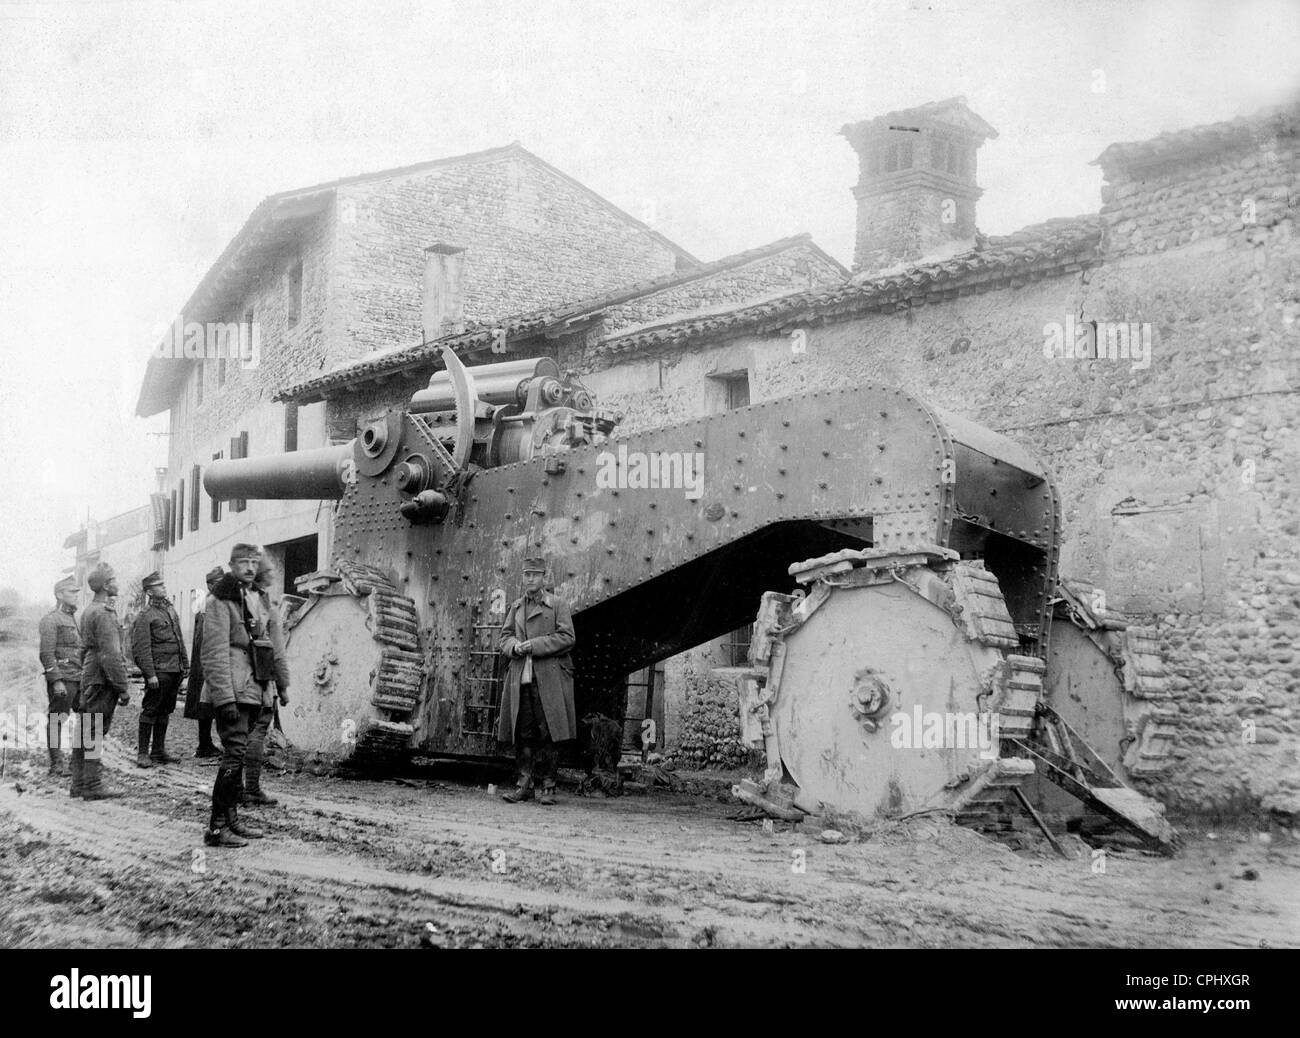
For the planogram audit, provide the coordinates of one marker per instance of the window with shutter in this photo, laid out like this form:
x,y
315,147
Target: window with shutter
x,y
216,505
194,497
239,449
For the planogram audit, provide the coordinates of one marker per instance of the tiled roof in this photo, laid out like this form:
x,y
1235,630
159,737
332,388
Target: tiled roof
x,y
1180,145
523,325
1054,247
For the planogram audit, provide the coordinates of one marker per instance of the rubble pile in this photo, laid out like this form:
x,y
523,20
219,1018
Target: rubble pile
x,y
711,728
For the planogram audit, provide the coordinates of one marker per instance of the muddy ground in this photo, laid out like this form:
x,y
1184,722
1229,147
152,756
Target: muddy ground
x,y
434,860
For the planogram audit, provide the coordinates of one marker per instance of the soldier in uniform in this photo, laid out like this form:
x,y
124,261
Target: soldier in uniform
x,y
159,652
103,685
537,701
253,793
195,709
60,652
242,653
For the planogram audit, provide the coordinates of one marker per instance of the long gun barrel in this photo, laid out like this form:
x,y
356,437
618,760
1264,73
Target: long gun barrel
x,y
301,475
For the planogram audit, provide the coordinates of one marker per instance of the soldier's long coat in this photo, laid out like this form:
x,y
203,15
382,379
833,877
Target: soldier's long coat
x,y
548,624
227,671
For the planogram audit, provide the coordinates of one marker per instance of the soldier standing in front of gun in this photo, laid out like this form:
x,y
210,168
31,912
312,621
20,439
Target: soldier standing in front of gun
x,y
537,700
103,686
256,756
159,652
242,653
60,653
195,709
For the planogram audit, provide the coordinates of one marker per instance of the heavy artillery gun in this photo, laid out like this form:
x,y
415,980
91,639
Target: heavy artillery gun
x,y
902,562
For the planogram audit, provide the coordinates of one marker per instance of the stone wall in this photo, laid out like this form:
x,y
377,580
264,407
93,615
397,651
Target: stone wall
x,y
288,354
532,238
1178,477
904,224
790,270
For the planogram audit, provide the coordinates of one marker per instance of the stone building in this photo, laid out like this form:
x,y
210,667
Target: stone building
x,y
1146,352
1173,441
323,275
131,542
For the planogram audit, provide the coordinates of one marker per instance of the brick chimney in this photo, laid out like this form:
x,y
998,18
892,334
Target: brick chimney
x,y
916,187
444,295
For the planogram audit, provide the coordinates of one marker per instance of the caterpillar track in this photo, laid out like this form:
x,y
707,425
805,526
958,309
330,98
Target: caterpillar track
x,y
893,686
370,715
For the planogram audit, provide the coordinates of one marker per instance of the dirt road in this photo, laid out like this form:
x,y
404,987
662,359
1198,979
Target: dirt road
x,y
355,863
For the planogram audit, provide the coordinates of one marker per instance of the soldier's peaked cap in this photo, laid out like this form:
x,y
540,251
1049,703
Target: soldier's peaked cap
x,y
152,579
67,584
245,551
535,563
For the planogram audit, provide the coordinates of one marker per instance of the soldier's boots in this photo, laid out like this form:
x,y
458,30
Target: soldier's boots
x,y
546,795
217,834
240,828
58,763
524,790
230,781
78,773
93,783
160,754
254,795
222,837
142,745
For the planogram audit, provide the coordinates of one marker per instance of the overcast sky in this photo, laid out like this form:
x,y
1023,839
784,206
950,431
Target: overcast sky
x,y
136,137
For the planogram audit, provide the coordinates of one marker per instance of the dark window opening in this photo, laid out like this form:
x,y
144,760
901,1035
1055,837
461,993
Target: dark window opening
x,y
290,427
194,497
298,558
180,511
248,330
295,293
737,391
171,520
